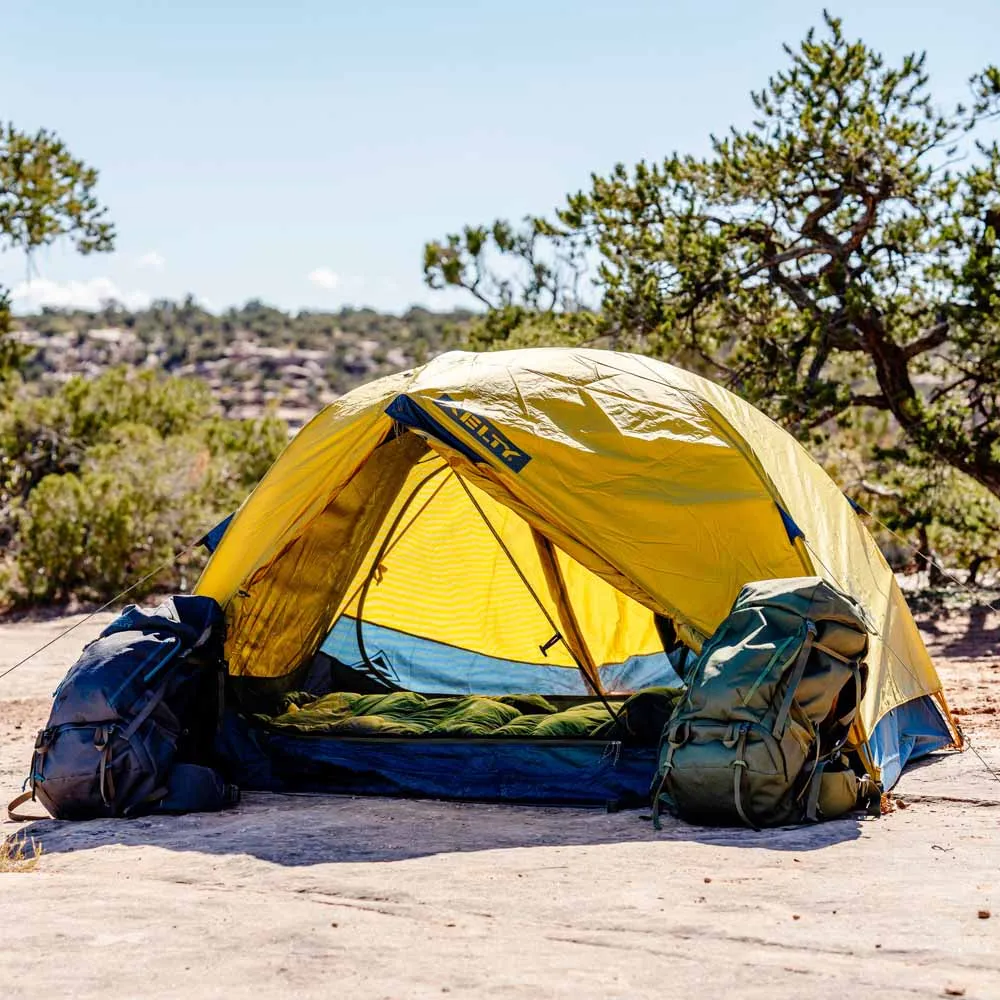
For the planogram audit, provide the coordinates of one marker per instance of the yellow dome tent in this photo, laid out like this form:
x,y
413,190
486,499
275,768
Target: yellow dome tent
x,y
514,521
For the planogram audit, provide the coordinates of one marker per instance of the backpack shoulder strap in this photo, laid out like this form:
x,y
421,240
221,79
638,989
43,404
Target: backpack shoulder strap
x,y
794,678
17,801
147,710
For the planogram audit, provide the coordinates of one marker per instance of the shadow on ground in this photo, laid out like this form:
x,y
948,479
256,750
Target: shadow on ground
x,y
969,631
297,830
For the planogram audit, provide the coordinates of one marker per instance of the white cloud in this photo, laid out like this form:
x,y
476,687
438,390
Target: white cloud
x,y
88,295
325,277
152,261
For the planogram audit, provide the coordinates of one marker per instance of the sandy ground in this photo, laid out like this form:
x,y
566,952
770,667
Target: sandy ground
x,y
307,896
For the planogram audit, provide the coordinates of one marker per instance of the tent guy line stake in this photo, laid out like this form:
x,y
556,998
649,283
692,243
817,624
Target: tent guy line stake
x,y
104,607
982,760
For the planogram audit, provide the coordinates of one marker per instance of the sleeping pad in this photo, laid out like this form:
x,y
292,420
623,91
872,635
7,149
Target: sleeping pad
x,y
518,716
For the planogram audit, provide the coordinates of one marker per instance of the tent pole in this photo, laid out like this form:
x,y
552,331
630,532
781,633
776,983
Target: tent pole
x,y
593,681
379,555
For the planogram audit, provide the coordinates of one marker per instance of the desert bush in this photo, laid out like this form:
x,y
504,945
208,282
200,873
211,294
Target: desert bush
x,y
49,433
106,480
19,854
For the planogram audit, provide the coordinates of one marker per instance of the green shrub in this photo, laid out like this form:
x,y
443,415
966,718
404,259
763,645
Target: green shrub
x,y
108,480
41,434
52,536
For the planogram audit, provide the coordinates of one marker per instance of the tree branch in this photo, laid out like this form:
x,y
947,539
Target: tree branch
x,y
876,489
877,401
927,341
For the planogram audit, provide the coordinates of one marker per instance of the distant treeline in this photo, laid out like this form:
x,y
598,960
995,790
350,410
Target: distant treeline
x,y
352,345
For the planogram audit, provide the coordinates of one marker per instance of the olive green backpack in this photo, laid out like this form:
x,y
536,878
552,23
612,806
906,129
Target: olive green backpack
x,y
759,734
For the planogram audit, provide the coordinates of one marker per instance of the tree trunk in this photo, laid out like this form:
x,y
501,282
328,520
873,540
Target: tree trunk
x,y
935,575
977,459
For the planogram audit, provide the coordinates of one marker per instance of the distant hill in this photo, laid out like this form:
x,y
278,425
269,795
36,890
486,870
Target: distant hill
x,y
251,357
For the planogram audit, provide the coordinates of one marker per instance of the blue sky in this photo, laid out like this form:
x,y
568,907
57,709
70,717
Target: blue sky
x,y
303,153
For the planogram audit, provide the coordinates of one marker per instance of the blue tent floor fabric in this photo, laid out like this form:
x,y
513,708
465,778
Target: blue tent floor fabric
x,y
557,772
907,733
517,748
576,772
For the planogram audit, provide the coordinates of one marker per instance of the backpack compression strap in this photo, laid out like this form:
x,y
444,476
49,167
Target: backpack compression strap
x,y
739,773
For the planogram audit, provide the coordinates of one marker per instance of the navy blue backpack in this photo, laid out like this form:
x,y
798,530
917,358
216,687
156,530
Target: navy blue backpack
x,y
132,723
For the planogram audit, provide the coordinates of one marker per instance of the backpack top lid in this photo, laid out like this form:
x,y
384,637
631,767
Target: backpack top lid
x,y
189,618
133,652
745,662
809,597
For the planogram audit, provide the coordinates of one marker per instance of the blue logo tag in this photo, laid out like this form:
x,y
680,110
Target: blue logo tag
x,y
487,434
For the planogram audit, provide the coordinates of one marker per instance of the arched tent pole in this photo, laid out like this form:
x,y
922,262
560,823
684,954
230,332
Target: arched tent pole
x,y
590,677
387,542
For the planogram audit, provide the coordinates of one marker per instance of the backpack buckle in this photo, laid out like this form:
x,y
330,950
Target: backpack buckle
x,y
733,733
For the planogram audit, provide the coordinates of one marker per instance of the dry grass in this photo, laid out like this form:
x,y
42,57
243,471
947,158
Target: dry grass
x,y
18,854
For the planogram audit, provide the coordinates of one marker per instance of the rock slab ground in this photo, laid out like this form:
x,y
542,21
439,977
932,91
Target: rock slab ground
x,y
318,896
